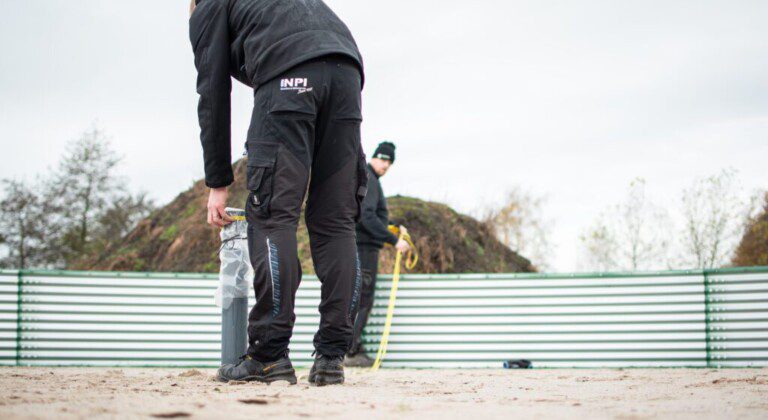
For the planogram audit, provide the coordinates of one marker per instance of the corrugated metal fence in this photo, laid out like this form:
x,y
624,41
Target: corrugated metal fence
x,y
680,318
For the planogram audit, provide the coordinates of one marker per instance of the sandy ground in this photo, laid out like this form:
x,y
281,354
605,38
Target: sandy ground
x,y
445,394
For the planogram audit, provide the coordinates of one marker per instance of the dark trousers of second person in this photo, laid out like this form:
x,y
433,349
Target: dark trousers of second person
x,y
369,265
306,120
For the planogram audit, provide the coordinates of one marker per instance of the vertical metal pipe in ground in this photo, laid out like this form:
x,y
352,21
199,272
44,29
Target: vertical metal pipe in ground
x,y
234,337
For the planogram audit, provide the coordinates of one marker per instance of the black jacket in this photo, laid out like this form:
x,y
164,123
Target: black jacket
x,y
253,41
372,229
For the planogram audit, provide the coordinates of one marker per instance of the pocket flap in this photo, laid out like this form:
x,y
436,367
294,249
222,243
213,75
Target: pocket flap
x,y
261,162
298,103
255,177
262,155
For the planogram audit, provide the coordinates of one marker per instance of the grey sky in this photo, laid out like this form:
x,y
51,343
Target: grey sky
x,y
571,100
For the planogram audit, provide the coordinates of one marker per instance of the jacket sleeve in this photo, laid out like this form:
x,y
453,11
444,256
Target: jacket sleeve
x,y
370,220
209,34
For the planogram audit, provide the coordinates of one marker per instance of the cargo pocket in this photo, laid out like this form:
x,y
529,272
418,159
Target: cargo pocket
x,y
362,184
291,121
261,171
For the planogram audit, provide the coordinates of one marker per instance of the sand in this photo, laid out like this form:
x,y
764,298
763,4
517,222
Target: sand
x,y
422,394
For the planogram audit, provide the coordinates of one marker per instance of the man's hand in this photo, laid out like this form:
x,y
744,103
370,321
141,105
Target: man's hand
x,y
217,202
402,246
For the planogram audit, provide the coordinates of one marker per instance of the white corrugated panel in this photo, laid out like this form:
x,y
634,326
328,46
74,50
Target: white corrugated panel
x,y
9,297
554,321
475,320
737,316
119,319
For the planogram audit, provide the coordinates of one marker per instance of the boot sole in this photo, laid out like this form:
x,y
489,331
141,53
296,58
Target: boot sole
x,y
327,377
287,375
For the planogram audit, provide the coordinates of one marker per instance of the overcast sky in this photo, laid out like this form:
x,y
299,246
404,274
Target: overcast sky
x,y
569,100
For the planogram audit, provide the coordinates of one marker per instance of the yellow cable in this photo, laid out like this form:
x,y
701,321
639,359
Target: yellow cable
x,y
412,257
410,262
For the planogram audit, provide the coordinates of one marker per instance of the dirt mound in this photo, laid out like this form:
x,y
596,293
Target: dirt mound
x,y
176,238
753,248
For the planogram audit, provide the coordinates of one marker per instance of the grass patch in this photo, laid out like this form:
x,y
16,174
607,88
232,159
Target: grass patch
x,y
170,233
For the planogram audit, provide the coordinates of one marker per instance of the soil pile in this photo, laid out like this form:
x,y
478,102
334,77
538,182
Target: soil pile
x,y
753,248
176,238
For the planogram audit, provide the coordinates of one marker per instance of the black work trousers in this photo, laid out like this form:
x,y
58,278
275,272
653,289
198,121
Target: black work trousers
x,y
369,265
305,121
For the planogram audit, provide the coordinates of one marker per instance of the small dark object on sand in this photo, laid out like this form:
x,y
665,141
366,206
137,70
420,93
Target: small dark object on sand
x,y
518,364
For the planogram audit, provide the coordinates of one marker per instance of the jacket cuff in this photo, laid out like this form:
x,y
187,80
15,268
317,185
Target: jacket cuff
x,y
391,239
220,182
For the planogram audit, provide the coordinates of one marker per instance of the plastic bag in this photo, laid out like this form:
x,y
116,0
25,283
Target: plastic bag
x,y
236,273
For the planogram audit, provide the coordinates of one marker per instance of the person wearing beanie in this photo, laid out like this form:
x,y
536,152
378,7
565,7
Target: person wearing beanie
x,y
385,151
372,234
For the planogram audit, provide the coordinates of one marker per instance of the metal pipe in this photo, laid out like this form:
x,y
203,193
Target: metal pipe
x,y
234,337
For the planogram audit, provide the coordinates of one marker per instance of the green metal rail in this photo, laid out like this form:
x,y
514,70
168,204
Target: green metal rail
x,y
693,318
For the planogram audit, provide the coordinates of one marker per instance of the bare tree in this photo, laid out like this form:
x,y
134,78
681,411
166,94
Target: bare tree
x,y
600,246
25,230
81,189
633,235
519,223
714,214
76,210
645,228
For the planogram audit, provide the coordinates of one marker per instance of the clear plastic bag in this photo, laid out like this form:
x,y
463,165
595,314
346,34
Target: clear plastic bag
x,y
236,273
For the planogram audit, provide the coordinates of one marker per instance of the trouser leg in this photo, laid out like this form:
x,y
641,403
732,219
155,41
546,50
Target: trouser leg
x,y
279,154
369,265
276,280
330,220
338,173
274,256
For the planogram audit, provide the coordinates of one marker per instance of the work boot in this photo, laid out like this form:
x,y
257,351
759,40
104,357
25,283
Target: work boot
x,y
252,370
327,370
359,359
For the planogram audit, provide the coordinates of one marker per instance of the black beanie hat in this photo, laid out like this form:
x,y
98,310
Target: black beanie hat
x,y
385,151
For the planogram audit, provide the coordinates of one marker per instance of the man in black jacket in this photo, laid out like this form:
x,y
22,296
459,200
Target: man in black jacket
x,y
307,74
372,234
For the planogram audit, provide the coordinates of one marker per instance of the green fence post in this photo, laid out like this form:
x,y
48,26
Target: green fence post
x,y
19,294
706,318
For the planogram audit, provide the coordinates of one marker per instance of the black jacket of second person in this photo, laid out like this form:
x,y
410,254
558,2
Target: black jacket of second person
x,y
372,228
253,41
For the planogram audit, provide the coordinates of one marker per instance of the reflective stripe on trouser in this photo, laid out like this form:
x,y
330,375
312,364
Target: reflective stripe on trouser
x,y
292,131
